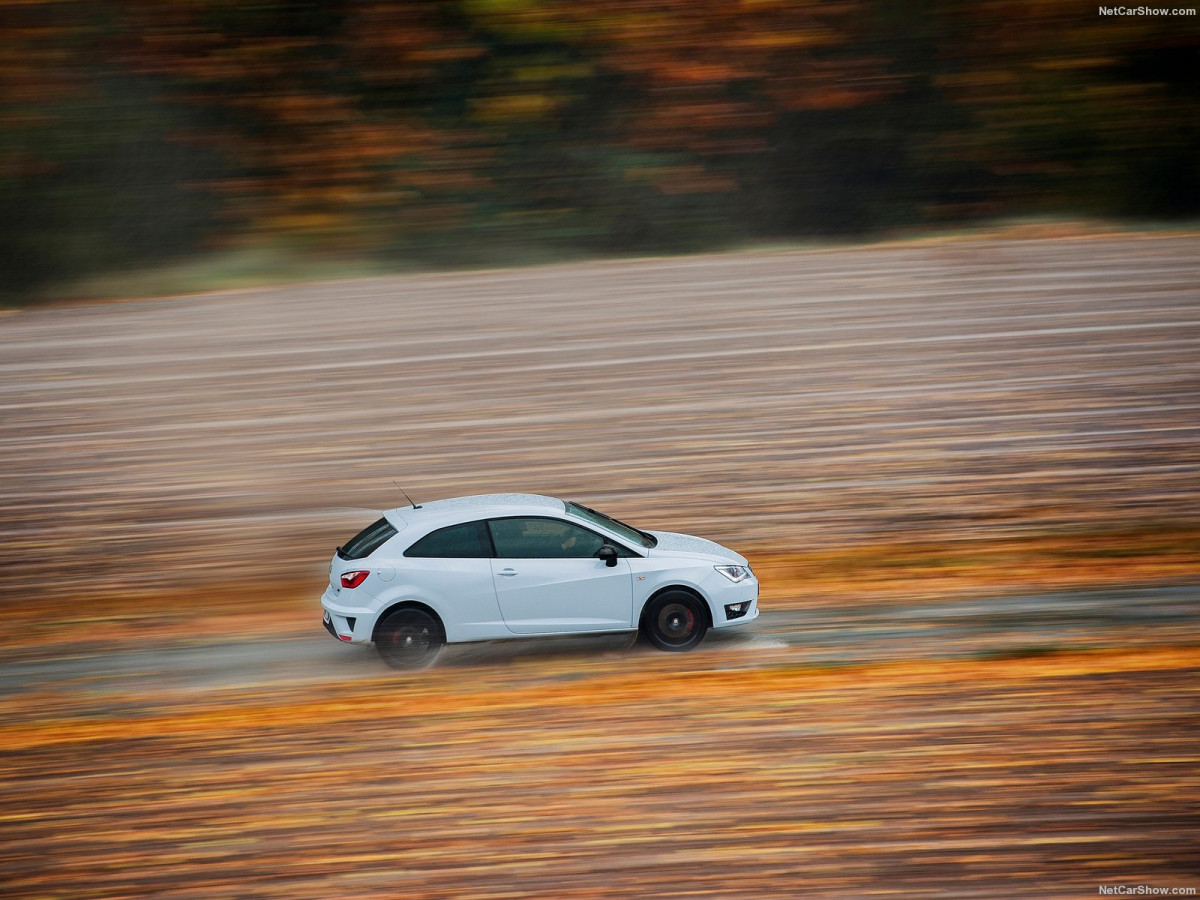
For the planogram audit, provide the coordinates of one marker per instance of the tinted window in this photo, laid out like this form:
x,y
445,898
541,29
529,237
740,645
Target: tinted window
x,y
631,534
534,538
368,540
467,541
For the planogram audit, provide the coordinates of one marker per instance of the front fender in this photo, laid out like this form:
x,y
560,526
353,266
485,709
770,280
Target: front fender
x,y
651,576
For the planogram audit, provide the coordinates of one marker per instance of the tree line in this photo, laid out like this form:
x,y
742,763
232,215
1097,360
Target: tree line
x,y
133,131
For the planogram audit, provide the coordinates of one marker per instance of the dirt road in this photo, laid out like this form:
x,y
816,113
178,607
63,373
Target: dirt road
x,y
980,627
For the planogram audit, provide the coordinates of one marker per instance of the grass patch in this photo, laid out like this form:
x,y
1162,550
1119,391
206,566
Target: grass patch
x,y
263,264
266,265
240,268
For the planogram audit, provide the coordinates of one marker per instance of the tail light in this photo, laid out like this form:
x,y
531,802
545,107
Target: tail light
x,y
354,579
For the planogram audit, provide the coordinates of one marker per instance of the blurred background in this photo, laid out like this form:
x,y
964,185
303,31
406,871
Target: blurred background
x,y
481,132
898,300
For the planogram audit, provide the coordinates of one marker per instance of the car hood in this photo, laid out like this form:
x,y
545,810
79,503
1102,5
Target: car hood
x,y
672,544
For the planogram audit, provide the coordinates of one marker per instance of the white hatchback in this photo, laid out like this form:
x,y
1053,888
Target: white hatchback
x,y
521,565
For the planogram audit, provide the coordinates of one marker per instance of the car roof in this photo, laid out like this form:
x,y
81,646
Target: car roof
x,y
478,506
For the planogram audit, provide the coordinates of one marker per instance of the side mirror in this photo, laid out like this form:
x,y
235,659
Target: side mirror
x,y
608,553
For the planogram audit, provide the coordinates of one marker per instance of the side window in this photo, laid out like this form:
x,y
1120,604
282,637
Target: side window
x,y
466,541
535,538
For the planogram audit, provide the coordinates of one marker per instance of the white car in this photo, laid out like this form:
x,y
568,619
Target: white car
x,y
521,565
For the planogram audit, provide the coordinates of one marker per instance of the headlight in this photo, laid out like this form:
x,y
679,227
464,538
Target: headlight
x,y
734,573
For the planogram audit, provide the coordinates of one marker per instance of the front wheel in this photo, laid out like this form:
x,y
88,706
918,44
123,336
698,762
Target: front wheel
x,y
675,620
409,638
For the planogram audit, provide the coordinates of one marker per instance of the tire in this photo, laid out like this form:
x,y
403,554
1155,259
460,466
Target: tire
x,y
675,620
409,638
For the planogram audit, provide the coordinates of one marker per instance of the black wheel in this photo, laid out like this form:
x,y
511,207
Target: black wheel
x,y
675,620
409,638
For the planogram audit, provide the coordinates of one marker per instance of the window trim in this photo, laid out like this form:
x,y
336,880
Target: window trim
x,y
650,541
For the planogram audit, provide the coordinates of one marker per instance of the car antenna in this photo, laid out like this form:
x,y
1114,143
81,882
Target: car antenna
x,y
406,497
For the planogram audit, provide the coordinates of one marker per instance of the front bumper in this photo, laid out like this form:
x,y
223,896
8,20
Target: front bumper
x,y
744,592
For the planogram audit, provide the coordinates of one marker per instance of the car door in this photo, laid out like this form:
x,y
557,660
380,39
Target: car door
x,y
549,581
451,568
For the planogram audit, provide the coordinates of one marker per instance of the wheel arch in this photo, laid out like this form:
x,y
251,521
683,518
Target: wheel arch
x,y
687,589
407,604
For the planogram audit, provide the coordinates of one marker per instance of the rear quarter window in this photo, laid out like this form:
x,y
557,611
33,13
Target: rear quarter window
x,y
466,541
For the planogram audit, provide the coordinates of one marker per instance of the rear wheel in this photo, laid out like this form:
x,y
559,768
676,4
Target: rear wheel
x,y
409,638
675,620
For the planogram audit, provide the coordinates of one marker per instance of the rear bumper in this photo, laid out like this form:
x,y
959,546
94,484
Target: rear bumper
x,y
327,621
346,623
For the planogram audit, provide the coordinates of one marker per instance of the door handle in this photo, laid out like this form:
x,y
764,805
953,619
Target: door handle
x,y
508,572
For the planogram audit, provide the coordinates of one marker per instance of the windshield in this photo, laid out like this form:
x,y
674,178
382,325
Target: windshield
x,y
628,532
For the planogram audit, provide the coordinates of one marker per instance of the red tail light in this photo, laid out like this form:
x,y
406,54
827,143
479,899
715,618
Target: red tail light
x,y
354,579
